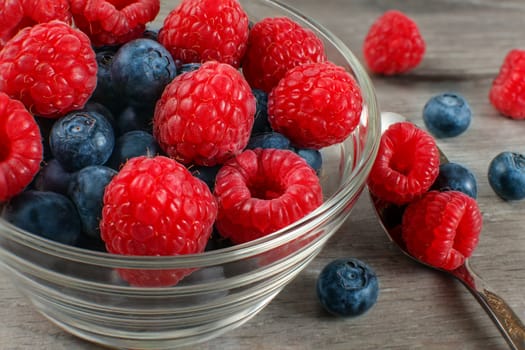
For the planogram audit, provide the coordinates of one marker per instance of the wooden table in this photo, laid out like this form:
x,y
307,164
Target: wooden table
x,y
417,308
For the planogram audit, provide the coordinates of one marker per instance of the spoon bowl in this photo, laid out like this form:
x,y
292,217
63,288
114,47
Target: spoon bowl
x,y
390,217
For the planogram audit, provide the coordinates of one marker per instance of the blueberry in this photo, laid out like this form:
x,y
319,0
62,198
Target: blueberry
x,y
447,115
507,175
347,287
132,144
86,190
261,123
312,156
47,214
105,92
135,118
140,71
269,140
206,174
456,177
188,67
151,33
80,139
53,177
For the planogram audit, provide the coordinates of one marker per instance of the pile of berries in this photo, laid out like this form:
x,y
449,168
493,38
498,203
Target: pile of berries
x,y
153,142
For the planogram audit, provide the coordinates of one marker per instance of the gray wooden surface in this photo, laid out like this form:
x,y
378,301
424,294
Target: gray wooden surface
x,y
417,308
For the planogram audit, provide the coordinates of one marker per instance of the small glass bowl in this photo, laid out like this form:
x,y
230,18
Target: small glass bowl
x,y
82,292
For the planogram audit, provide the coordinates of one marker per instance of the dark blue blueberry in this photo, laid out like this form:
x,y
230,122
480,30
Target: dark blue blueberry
x,y
261,123
312,156
105,92
135,118
269,140
206,174
53,177
152,34
456,177
507,175
347,287
132,144
47,214
86,190
80,139
188,67
447,115
92,106
45,125
140,71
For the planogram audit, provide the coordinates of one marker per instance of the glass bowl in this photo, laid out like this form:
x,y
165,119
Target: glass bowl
x,y
81,291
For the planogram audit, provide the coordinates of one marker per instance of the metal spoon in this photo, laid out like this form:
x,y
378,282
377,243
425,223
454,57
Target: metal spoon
x,y
508,323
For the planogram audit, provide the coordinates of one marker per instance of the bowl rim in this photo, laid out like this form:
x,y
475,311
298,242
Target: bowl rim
x,y
331,205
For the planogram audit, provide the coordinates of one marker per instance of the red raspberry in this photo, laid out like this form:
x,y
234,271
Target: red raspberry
x,y
18,14
393,44
442,228
406,165
315,105
50,67
276,45
263,190
111,22
205,116
204,30
20,147
508,88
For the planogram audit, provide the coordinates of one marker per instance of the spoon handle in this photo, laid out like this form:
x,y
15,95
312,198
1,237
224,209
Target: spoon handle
x,y
509,324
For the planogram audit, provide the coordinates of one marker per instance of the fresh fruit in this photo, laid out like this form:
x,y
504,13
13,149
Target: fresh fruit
x,y
47,214
86,190
347,287
140,70
112,22
105,91
312,156
456,177
269,140
263,190
133,118
53,177
155,206
507,88
315,105
276,45
447,115
50,67
442,228
21,148
506,175
206,174
132,144
204,117
203,30
80,139
261,123
393,44
407,164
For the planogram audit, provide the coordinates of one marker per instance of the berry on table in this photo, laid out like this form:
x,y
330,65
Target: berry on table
x,y
447,115
442,228
80,139
456,177
202,30
347,287
276,45
111,22
205,117
315,105
507,88
50,67
21,149
393,44
506,175
263,190
407,164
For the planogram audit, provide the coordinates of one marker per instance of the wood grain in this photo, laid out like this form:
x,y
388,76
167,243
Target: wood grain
x,y
417,308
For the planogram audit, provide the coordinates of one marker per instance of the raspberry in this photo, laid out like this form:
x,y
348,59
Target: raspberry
x,y
112,22
315,105
203,30
205,116
18,14
276,45
442,228
263,190
50,67
393,44
406,165
21,147
506,93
